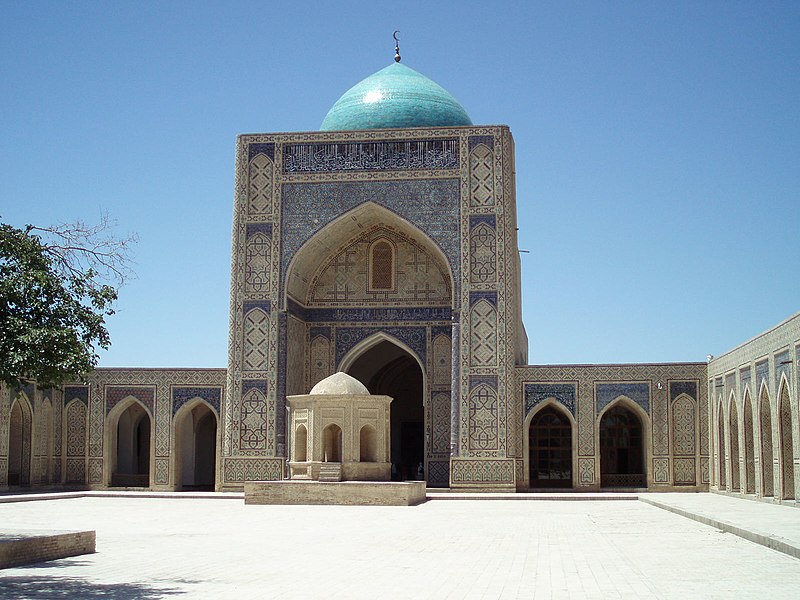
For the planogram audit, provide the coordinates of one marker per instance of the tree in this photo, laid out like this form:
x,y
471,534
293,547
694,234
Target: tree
x,y
57,285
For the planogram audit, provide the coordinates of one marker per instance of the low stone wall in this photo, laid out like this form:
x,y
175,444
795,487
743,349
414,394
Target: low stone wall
x,y
362,493
28,547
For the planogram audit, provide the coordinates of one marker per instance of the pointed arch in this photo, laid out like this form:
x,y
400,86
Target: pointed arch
x,y
129,444
19,441
766,438
733,432
368,343
382,265
722,461
300,444
195,440
624,444
301,266
368,444
749,486
786,443
549,445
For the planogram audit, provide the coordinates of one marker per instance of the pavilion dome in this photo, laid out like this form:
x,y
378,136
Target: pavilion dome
x,y
340,384
394,97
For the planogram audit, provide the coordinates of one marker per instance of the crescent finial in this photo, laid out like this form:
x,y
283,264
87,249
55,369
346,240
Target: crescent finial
x,y
396,46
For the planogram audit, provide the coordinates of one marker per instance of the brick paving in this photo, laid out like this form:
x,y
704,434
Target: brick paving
x,y
151,547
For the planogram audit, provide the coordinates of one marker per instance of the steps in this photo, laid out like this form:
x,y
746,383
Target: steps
x,y
330,472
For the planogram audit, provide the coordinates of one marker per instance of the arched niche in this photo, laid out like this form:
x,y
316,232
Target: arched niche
x,y
549,446
623,432
388,367
19,441
129,447
195,432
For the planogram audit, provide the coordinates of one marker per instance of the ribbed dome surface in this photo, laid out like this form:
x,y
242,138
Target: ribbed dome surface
x,y
395,97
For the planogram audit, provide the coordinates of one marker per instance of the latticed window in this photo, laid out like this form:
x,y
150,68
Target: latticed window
x,y
382,263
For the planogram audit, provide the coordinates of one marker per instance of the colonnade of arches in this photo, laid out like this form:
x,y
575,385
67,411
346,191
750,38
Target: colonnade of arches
x,y
551,444
130,443
755,445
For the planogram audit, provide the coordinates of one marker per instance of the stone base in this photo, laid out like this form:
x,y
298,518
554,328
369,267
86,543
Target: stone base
x,y
28,547
362,493
351,471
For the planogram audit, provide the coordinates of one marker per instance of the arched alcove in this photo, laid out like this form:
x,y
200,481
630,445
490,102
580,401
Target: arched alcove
x,y
550,448
721,447
332,443
300,444
388,369
195,449
622,448
733,431
767,455
19,442
787,448
749,446
130,426
368,444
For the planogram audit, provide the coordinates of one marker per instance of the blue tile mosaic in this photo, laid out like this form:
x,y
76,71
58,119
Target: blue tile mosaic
x,y
476,380
253,228
250,384
413,337
475,297
430,205
181,395
431,154
320,332
280,400
676,388
486,140
264,305
783,366
253,149
535,393
81,392
441,330
730,384
762,373
369,315
477,219
608,392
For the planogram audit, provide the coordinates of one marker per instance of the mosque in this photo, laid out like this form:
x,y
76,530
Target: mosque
x,y
384,246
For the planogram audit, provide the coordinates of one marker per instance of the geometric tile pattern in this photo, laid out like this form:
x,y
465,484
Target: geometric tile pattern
x,y
481,170
181,395
483,253
684,426
538,392
483,423
256,330
260,184
483,334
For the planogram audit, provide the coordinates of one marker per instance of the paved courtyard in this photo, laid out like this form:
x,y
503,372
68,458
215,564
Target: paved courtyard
x,y
220,548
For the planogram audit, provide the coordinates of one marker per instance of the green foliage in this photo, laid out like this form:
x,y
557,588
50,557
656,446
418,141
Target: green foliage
x,y
51,319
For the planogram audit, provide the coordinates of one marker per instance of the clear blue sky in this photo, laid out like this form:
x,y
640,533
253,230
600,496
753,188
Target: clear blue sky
x,y
657,151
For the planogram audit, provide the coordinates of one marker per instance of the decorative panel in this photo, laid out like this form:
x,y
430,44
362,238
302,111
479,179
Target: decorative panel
x,y
260,178
684,471
256,331
481,176
442,360
258,263
683,426
483,251
483,335
320,359
439,411
483,423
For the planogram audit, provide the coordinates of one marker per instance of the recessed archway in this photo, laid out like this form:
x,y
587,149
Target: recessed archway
x,y
19,442
787,448
550,448
622,448
195,450
130,427
721,446
749,446
733,431
388,369
767,471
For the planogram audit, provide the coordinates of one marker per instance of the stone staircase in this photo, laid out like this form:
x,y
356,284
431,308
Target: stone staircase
x,y
330,472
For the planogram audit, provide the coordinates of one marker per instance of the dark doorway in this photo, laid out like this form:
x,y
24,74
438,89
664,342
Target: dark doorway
x,y
550,449
132,460
388,369
621,449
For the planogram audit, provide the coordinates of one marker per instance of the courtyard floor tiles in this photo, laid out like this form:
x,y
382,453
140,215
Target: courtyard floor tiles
x,y
501,549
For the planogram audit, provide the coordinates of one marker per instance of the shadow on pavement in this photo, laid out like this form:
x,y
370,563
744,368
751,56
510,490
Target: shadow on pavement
x,y
47,586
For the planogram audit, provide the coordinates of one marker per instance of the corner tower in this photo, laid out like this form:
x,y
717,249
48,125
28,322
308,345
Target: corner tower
x,y
383,245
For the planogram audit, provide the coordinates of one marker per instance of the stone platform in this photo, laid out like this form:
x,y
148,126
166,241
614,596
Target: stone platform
x,y
25,547
360,493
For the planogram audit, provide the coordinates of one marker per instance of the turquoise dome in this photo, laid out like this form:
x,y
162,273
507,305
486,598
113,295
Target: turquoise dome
x,y
395,97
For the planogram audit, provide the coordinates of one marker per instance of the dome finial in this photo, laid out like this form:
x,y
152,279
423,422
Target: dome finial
x,y
396,46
